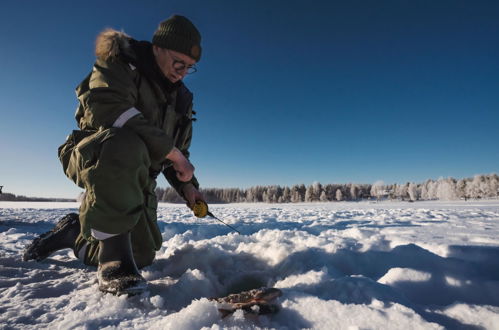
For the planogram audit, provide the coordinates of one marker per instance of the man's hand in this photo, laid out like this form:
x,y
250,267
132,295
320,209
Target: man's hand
x,y
192,195
181,165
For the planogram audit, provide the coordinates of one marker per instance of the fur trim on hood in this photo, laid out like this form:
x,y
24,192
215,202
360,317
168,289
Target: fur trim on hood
x,y
110,42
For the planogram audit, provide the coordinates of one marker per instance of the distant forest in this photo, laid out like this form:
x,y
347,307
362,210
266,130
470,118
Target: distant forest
x,y
20,198
478,187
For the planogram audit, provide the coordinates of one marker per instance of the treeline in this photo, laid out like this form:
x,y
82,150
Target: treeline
x,y
480,186
20,198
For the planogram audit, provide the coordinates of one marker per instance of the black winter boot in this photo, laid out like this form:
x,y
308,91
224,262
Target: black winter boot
x,y
117,273
62,236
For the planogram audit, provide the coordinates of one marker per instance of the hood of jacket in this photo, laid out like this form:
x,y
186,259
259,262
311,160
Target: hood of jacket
x,y
110,43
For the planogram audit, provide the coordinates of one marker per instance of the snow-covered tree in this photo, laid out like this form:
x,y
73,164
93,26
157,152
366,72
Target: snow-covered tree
x,y
313,192
424,191
461,189
494,185
354,192
402,191
446,189
296,194
286,195
265,197
475,188
317,190
309,194
392,191
432,189
272,194
339,195
412,190
330,190
377,189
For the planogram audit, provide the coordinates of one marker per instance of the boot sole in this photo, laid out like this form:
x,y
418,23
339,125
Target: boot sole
x,y
131,291
37,249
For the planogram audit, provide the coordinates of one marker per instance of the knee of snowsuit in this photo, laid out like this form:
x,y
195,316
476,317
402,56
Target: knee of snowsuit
x,y
113,167
143,253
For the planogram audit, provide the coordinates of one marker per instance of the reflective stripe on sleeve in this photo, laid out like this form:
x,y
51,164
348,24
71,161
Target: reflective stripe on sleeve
x,y
125,116
100,235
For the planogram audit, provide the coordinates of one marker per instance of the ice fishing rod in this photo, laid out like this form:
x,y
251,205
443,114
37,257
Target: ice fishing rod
x,y
200,210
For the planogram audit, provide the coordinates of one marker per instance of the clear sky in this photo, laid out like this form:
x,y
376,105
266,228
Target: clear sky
x,y
286,92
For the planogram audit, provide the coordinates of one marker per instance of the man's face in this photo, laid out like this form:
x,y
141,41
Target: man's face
x,y
174,65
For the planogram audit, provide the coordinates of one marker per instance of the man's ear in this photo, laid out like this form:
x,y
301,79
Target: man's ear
x,y
155,50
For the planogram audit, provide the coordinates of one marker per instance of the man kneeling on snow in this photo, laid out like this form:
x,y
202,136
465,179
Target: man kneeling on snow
x,y
135,120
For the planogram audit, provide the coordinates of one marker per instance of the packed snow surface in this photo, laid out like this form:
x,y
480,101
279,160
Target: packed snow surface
x,y
387,265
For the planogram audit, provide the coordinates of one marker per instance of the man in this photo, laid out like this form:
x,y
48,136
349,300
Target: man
x,y
135,120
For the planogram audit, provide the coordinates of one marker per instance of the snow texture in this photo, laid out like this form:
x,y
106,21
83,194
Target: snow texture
x,y
346,265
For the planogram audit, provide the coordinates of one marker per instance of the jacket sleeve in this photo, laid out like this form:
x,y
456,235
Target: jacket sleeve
x,y
107,95
183,141
178,185
182,144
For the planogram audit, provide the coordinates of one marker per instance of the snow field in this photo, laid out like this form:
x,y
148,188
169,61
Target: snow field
x,y
428,265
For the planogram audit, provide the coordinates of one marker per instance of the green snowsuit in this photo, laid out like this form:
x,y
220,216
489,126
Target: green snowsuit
x,y
130,117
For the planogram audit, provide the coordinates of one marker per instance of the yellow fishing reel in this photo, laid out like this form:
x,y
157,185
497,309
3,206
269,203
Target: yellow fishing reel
x,y
200,209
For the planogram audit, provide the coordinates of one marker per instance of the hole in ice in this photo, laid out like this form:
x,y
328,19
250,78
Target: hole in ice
x,y
245,283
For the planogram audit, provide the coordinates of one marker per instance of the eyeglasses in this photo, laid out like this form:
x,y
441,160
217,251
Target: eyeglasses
x,y
180,65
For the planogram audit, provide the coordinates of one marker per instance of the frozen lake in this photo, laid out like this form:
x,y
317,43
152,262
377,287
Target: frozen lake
x,y
346,265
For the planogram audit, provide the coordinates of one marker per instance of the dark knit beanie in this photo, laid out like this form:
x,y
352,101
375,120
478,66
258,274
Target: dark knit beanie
x,y
179,34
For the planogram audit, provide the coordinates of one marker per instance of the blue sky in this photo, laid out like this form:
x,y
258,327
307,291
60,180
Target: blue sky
x,y
287,92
